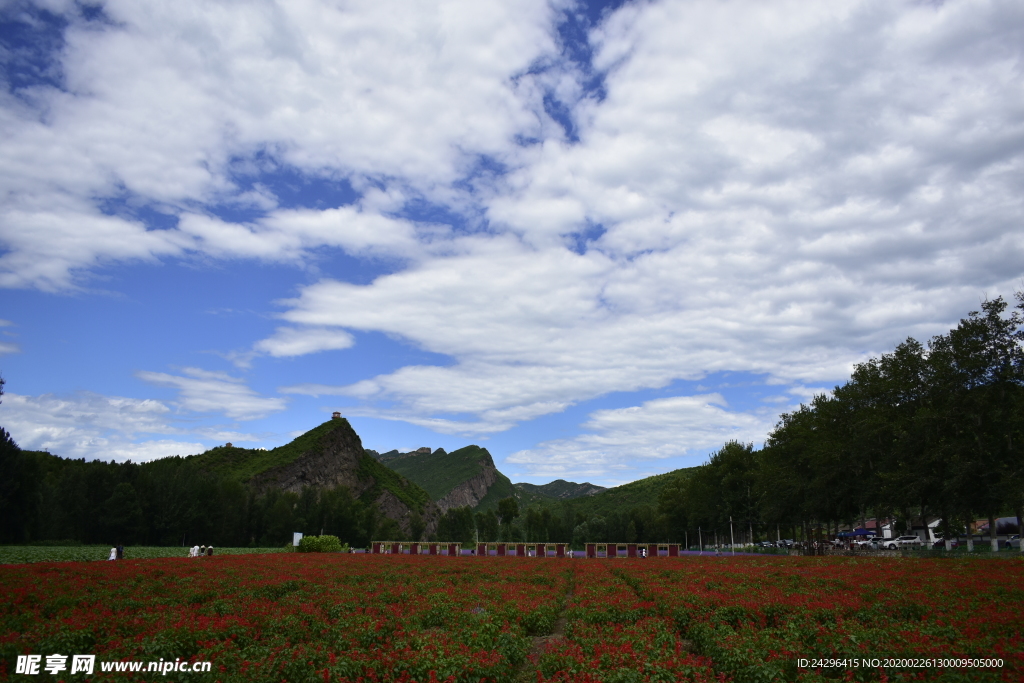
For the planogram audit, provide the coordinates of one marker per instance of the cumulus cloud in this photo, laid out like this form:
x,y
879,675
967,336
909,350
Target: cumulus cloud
x,y
180,105
290,341
203,391
92,426
782,188
655,430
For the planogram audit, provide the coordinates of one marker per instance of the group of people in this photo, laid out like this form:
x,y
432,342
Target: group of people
x,y
200,551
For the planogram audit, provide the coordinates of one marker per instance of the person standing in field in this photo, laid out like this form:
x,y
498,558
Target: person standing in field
x,y
120,551
113,554
209,551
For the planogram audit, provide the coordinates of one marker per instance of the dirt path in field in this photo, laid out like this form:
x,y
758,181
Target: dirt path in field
x,y
526,670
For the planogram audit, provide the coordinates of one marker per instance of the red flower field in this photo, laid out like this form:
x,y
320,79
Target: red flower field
x,y
310,617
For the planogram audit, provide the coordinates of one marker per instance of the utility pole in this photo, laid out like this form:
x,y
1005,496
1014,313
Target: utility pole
x,y
700,541
732,536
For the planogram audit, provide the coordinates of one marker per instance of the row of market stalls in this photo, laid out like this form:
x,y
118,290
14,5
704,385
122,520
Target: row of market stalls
x,y
592,550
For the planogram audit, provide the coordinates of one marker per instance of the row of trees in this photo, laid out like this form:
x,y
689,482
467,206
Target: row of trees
x,y
545,524
930,430
926,431
165,502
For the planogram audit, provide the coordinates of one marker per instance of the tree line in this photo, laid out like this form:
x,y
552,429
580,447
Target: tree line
x,y
557,523
163,503
925,431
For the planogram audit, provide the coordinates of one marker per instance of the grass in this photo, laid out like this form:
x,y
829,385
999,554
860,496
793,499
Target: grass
x,y
20,554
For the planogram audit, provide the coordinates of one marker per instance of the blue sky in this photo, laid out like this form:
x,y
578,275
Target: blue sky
x,y
598,239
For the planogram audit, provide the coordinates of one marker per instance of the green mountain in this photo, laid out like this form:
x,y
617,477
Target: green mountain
x,y
326,456
560,489
457,479
242,464
321,482
619,498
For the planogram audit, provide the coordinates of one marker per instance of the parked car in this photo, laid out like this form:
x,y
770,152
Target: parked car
x,y
785,543
869,543
940,543
902,542
1013,542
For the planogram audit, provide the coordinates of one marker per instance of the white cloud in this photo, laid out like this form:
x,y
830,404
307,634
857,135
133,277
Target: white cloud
x,y
782,188
289,341
8,347
203,391
167,102
91,426
655,430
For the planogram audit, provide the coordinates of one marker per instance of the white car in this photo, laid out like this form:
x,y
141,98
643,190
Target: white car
x,y
869,543
902,542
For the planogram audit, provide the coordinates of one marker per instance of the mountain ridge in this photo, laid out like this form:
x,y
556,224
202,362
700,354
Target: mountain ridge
x,y
560,489
329,455
464,477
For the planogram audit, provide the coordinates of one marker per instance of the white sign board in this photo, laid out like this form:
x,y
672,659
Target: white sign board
x,y
296,537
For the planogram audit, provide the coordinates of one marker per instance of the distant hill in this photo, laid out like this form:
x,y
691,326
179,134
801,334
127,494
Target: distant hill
x,y
560,489
391,456
326,456
619,498
463,477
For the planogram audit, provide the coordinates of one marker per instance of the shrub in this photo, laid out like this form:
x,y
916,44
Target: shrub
x,y
321,544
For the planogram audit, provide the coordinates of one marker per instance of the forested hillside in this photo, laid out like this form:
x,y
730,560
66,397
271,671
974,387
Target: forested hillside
x,y
560,489
225,496
926,431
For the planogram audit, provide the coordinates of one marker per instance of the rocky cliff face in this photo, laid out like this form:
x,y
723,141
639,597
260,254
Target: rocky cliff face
x,y
336,462
471,491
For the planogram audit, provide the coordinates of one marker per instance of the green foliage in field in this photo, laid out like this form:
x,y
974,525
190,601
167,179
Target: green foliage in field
x,y
18,554
321,544
294,617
